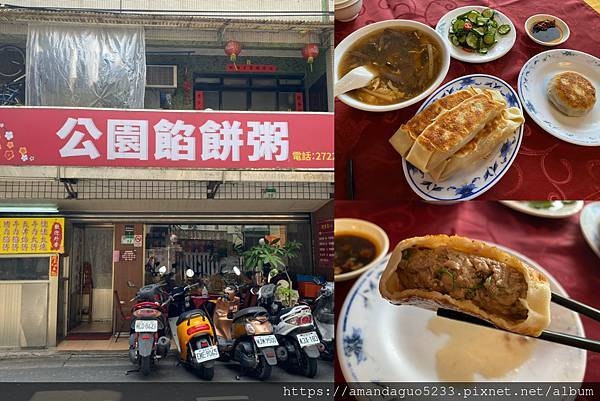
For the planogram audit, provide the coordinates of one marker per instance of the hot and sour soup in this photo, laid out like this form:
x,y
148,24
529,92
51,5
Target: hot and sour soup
x,y
406,62
352,252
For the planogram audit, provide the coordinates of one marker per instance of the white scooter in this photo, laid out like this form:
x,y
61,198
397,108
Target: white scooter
x,y
293,326
325,319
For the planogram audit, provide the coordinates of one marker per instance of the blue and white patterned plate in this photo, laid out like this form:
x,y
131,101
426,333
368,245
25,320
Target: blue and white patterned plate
x,y
379,342
533,81
589,220
471,183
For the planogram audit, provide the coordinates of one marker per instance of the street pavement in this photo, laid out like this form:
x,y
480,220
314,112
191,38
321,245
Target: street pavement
x,y
112,367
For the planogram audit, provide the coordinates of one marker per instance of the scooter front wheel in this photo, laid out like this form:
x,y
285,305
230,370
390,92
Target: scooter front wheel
x,y
263,369
145,365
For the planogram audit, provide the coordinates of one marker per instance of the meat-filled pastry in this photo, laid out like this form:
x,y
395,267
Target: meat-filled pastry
x,y
406,135
469,276
480,147
454,129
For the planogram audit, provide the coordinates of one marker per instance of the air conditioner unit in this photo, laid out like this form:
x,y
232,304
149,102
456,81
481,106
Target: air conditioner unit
x,y
161,76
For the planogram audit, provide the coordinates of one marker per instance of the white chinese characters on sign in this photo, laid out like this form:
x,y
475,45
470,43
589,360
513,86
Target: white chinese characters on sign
x,y
75,146
129,139
219,141
174,141
268,139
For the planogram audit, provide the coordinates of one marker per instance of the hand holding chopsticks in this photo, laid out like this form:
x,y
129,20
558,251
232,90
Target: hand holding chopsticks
x,y
547,335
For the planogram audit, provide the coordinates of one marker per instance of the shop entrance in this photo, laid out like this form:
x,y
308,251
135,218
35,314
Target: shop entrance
x,y
215,249
90,313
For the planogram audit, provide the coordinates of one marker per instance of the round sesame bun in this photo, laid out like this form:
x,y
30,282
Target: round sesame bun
x,y
571,93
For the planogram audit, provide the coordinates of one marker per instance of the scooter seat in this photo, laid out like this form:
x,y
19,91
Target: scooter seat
x,y
253,310
189,315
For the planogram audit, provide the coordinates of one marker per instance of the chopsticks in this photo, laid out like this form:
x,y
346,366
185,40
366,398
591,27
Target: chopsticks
x,y
546,335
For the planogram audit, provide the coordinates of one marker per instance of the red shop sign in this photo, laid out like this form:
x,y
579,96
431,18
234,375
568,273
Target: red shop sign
x,y
148,138
54,265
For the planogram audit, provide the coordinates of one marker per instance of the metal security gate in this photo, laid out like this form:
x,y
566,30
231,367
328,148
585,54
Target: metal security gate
x,y
202,263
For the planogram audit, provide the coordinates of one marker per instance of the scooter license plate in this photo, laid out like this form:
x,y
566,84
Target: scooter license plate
x,y
306,339
206,354
146,326
266,341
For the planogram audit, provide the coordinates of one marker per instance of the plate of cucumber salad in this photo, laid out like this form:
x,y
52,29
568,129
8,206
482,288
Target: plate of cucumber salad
x,y
477,34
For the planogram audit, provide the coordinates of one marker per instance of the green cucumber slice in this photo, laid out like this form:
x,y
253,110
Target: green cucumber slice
x,y
454,40
489,39
479,31
472,40
482,21
487,13
473,15
458,25
504,29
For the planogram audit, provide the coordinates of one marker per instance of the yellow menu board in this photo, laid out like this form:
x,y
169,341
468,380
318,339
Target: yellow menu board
x,y
32,235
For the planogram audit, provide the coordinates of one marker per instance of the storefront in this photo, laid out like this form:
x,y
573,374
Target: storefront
x,y
197,137
104,259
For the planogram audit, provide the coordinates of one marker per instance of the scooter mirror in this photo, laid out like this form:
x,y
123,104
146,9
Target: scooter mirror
x,y
162,270
189,273
236,270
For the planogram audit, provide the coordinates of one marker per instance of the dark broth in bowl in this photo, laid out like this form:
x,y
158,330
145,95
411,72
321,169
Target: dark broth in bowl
x,y
405,60
352,252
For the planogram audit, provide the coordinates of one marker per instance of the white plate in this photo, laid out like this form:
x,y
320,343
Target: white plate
x,y
306,339
558,210
266,341
505,42
471,183
532,83
590,226
206,354
380,342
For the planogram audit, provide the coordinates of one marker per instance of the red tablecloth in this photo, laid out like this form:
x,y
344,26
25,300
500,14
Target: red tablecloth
x,y
557,245
545,168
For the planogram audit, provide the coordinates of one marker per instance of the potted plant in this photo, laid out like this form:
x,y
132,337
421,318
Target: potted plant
x,y
271,254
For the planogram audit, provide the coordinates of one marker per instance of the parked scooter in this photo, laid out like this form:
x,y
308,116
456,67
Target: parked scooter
x,y
245,336
294,329
193,332
148,339
324,319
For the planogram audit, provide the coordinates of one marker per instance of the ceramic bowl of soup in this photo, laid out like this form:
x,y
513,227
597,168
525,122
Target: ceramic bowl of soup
x,y
410,60
359,245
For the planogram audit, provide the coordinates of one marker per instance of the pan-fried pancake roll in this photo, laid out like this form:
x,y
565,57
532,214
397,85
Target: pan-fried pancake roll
x,y
480,147
469,276
454,129
406,135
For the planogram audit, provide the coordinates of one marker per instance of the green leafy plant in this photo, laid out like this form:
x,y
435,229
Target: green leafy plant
x,y
271,253
287,296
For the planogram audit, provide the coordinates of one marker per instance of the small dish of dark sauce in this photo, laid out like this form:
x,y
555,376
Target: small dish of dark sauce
x,y
546,31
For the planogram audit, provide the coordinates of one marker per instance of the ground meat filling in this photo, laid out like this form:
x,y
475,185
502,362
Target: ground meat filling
x,y
489,284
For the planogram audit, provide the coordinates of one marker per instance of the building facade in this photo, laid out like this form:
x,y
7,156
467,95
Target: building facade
x,y
232,142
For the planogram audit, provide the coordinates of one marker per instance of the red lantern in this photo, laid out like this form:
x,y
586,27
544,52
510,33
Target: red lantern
x,y
310,51
233,49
